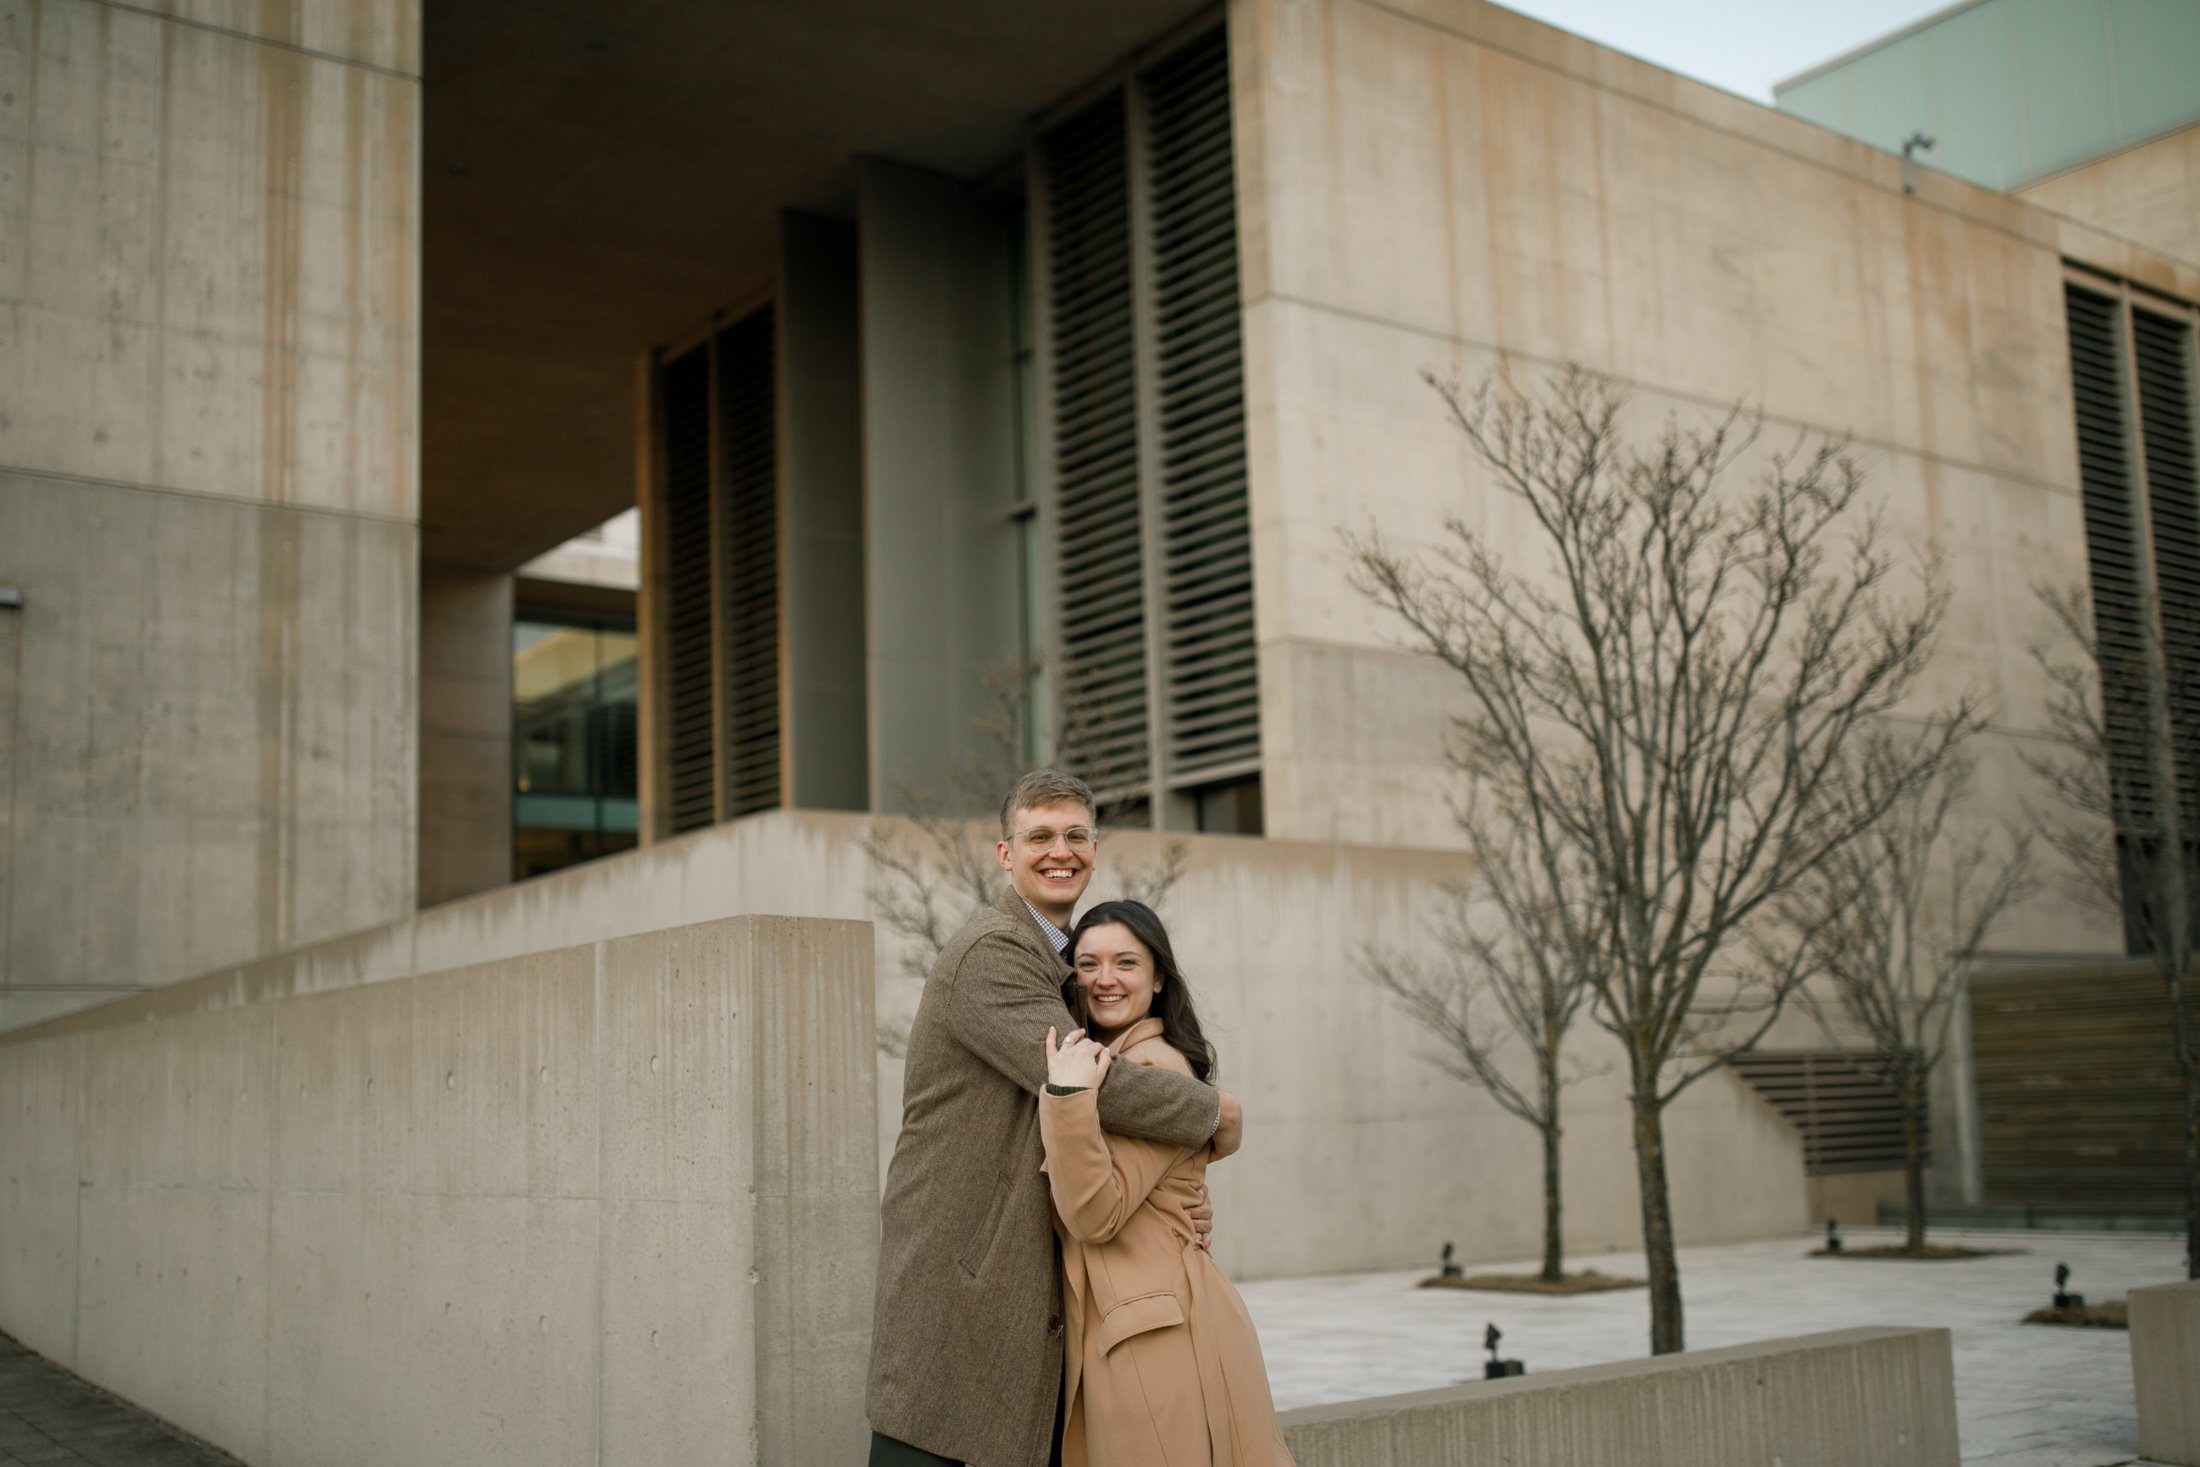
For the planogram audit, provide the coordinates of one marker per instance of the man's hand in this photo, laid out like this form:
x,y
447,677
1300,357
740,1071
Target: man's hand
x,y
1230,1133
1203,1220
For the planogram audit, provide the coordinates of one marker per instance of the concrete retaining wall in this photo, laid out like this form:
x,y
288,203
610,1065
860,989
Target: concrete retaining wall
x,y
2165,1372
1851,1398
1358,1155
608,1203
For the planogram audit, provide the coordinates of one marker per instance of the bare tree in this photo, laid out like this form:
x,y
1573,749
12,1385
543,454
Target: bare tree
x,y
2124,821
1894,921
1662,715
928,880
1513,959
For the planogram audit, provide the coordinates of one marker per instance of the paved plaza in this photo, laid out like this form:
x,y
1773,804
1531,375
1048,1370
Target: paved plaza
x,y
2026,1395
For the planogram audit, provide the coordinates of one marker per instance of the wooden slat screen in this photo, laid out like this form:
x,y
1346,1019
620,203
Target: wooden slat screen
x,y
1085,168
2112,539
1210,691
749,564
2132,387
2161,350
1153,533
1849,1117
685,403
2079,1099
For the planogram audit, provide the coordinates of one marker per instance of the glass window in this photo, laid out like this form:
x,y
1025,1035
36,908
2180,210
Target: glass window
x,y
573,740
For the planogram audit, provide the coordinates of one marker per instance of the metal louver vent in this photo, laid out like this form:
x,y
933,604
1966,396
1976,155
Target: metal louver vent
x,y
686,407
2161,356
1084,165
748,551
1210,694
1850,1118
2113,547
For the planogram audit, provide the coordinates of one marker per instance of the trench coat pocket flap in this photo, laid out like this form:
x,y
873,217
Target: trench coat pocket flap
x,y
1136,1316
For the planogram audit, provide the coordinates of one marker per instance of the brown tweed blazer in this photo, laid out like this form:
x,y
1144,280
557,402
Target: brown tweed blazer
x,y
966,1336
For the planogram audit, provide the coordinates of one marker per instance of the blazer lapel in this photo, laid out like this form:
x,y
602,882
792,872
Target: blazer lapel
x,y
1014,908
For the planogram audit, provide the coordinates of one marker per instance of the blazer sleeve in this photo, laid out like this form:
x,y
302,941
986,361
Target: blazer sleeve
x,y
1001,1004
1097,1181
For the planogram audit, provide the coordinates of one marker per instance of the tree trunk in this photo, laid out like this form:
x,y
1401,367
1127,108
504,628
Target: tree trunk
x,y
1667,1334
1554,1244
2188,1066
2192,1171
1913,1164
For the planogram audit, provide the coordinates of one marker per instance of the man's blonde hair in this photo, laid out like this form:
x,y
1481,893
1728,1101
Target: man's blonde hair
x,y
1044,787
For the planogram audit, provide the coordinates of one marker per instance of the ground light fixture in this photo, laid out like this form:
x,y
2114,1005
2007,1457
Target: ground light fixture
x,y
1494,1368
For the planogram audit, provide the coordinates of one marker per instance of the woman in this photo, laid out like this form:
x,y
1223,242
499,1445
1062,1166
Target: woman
x,y
1162,1368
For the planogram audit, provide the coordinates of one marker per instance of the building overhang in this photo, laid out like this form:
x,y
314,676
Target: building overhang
x,y
597,179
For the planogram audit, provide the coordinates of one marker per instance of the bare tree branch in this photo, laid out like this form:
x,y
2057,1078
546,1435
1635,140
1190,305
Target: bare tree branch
x,y
1892,923
2121,812
1666,711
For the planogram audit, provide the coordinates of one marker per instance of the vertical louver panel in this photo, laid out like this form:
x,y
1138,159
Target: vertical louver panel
x,y
1101,581
2113,547
687,596
748,559
1211,704
2161,356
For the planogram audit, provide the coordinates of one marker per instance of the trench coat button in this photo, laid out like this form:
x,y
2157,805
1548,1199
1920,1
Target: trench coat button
x,y
1054,1324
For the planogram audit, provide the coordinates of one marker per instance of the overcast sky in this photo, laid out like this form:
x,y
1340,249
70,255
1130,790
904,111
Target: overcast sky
x,y
1742,45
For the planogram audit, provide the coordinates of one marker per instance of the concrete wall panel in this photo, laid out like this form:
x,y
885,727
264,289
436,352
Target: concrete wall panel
x,y
213,738
465,732
1358,1154
271,1218
2149,194
171,1308
1829,1400
40,1095
217,289
939,471
2165,1370
1444,185
376,33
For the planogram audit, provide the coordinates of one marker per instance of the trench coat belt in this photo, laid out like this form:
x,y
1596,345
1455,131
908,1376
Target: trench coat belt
x,y
1215,1384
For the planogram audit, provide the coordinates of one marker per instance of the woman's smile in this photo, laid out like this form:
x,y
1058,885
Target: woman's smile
x,y
1118,977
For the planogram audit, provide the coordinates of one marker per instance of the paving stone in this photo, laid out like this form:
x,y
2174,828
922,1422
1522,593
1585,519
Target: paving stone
x,y
50,1418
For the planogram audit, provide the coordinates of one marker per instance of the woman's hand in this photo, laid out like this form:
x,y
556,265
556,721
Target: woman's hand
x,y
1078,1063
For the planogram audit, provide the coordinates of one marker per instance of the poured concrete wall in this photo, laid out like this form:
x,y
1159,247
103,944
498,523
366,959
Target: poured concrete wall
x,y
610,1203
1358,1154
2148,194
2165,1371
939,472
208,490
465,732
1882,1396
1445,185
821,559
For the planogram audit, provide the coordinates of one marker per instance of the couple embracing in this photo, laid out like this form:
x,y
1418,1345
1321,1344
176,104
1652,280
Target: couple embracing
x,y
1044,1289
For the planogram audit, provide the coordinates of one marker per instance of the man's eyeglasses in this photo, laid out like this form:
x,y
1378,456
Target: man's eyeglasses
x,y
1077,838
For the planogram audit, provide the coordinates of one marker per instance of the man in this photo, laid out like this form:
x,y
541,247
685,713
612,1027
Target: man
x,y
966,1339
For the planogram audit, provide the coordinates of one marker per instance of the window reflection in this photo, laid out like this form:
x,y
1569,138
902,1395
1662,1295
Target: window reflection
x,y
573,748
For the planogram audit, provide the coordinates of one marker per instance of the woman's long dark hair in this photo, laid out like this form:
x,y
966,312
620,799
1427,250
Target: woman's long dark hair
x,y
1172,1005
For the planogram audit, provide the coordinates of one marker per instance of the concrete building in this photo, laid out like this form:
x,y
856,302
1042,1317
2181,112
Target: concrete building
x,y
2089,110
930,341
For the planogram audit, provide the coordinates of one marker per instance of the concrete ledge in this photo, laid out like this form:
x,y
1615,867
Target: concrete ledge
x,y
2165,1371
1851,1398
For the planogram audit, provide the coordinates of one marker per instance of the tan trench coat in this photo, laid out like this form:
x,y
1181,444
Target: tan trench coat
x,y
966,1335
1162,1367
